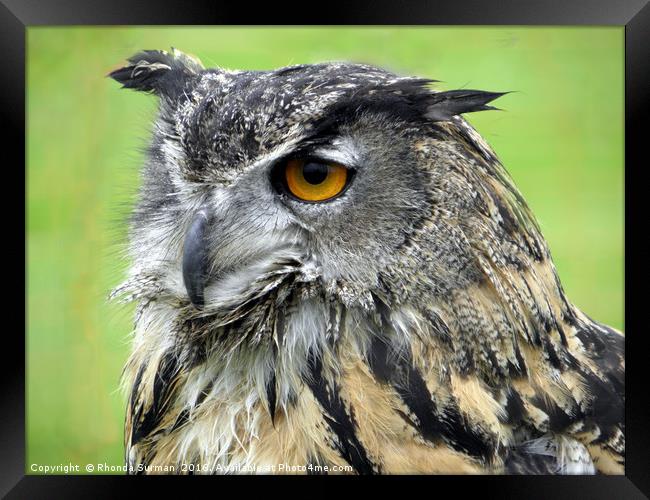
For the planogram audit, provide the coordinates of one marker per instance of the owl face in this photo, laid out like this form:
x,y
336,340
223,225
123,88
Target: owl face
x,y
320,167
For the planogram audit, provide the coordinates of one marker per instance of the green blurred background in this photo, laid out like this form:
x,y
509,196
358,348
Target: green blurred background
x,y
560,136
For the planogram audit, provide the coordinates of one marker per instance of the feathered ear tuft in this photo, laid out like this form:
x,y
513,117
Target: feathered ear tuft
x,y
445,105
158,71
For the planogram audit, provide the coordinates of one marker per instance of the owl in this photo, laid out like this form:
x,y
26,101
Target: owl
x,y
334,273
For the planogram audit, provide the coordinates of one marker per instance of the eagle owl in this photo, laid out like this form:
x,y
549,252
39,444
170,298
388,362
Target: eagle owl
x,y
334,273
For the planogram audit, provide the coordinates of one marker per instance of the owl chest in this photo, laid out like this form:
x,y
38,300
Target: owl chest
x,y
349,423
289,410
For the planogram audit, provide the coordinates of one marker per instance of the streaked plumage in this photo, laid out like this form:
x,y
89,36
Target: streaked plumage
x,y
415,324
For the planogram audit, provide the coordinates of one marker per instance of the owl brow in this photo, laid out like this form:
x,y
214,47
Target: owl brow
x,y
310,144
327,148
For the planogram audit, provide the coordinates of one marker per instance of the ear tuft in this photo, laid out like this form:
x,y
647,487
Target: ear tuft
x,y
158,71
445,105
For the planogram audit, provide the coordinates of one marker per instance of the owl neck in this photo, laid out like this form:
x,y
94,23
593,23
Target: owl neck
x,y
276,346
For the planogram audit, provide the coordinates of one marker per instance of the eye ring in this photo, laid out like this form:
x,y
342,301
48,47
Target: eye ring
x,y
312,180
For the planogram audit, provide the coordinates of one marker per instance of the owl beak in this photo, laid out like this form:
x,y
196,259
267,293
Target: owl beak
x,y
195,259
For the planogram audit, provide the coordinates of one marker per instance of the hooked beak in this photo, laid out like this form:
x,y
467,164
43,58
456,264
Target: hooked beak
x,y
195,259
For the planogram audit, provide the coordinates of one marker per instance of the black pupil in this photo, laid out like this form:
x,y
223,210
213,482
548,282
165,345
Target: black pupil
x,y
315,173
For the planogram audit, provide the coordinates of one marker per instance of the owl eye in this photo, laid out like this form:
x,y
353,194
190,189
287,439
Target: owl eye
x,y
314,180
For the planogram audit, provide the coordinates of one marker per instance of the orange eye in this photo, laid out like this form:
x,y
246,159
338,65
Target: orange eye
x,y
315,181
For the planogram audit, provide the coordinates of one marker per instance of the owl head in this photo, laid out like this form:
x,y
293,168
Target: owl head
x,y
342,177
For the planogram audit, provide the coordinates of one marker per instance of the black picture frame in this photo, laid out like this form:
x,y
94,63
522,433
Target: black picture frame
x,y
17,15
